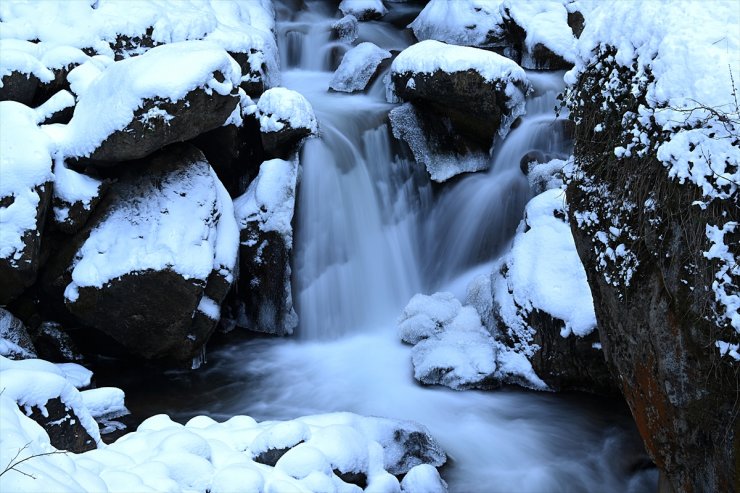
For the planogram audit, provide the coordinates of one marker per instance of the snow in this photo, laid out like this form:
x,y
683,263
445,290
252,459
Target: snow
x,y
32,383
544,271
280,106
77,375
430,56
104,402
181,220
58,102
463,22
25,164
71,187
357,67
725,284
165,72
209,308
14,340
270,198
453,348
423,478
546,23
206,455
359,7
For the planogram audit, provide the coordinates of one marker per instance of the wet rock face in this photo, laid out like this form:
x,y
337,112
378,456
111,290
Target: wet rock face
x,y
474,105
654,305
63,426
568,363
18,86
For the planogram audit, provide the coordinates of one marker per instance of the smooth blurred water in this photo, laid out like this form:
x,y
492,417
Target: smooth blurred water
x,y
371,232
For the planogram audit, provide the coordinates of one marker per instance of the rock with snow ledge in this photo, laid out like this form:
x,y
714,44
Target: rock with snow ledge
x,y
264,214
363,10
153,266
358,67
286,118
542,302
171,93
25,193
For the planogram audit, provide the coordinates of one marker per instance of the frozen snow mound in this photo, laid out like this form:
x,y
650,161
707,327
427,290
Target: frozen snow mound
x,y
171,93
203,454
464,22
358,66
168,238
25,191
363,10
264,214
454,349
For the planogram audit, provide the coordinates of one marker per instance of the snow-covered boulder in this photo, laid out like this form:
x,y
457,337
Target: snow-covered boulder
x,y
286,118
171,93
476,23
153,267
542,302
75,197
25,193
454,349
15,343
475,92
264,214
363,10
358,67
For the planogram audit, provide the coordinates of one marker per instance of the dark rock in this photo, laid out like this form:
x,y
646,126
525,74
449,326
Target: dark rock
x,y
68,217
63,427
125,46
196,113
569,363
418,448
365,14
529,158
255,83
54,344
15,343
285,142
19,272
235,153
270,456
356,478
20,87
576,23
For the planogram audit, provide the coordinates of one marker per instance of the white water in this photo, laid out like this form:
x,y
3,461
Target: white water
x,y
371,233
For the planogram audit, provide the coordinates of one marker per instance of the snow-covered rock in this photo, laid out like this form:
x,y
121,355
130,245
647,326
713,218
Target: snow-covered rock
x,y
465,22
363,10
15,343
454,349
75,197
346,29
286,118
358,67
25,192
153,268
264,214
171,93
475,92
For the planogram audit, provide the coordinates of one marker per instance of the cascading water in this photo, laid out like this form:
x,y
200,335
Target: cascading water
x,y
370,235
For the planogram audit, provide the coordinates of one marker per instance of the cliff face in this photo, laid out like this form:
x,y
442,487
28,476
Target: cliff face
x,y
650,245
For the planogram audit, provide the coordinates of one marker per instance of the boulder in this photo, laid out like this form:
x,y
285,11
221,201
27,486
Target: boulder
x,y
152,267
264,214
462,98
25,193
63,426
358,67
345,29
171,93
15,343
286,118
75,197
363,10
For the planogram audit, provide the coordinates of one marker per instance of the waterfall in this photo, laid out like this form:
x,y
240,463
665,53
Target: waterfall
x,y
371,231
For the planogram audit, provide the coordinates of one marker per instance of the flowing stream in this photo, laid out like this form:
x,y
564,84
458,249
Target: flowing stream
x,y
371,231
